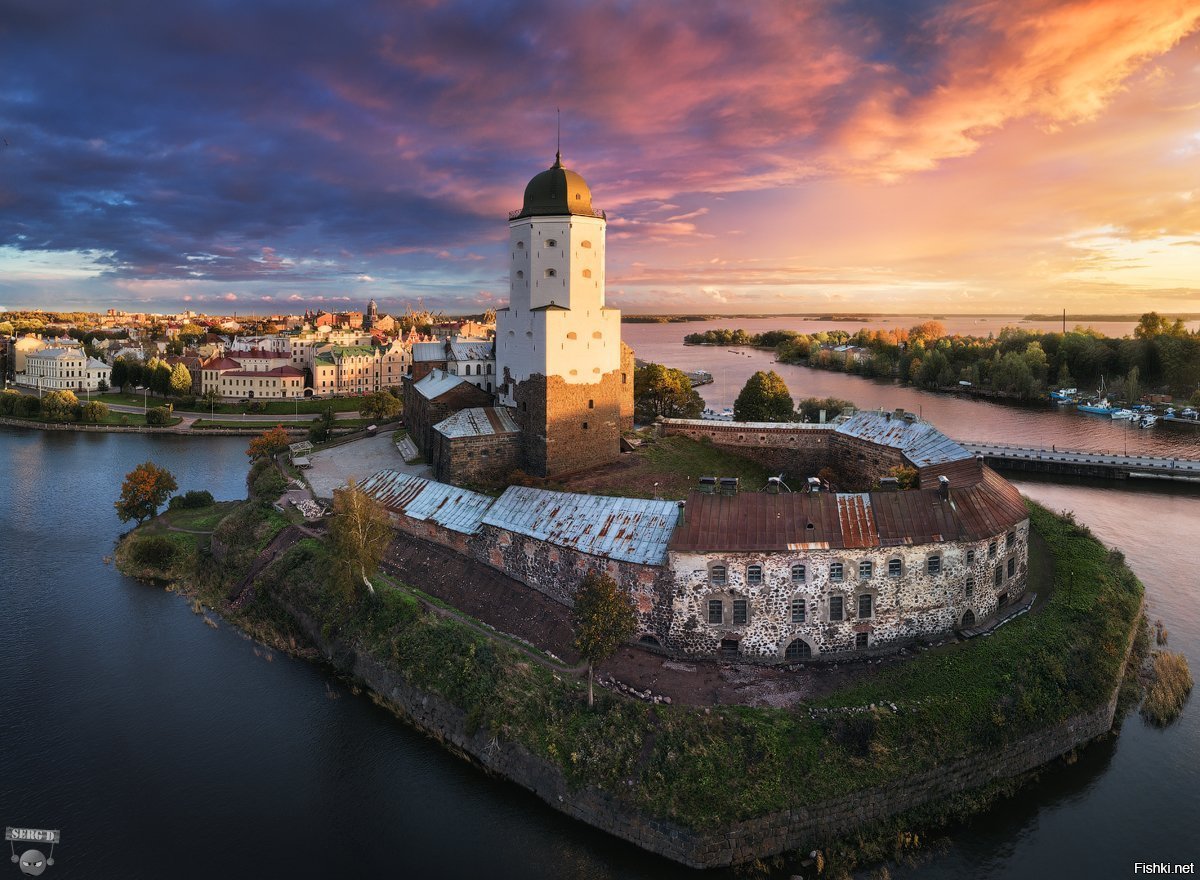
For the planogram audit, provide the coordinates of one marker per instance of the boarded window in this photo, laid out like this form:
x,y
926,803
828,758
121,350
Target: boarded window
x,y
716,611
798,610
798,573
754,574
866,605
741,611
835,607
797,650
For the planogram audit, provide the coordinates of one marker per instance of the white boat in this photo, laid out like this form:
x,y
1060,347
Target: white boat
x,y
1147,421
1124,415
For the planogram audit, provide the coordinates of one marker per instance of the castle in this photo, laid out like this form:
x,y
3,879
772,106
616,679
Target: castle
x,y
775,576
563,387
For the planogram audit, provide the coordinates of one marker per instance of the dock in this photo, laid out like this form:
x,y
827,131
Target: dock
x,y
1106,465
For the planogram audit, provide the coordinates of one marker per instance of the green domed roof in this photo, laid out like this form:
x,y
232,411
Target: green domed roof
x,y
557,192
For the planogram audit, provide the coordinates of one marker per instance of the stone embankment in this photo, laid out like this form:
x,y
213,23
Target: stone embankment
x,y
800,828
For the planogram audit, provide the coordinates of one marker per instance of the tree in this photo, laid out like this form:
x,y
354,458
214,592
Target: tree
x,y
145,489
59,406
810,408
380,406
268,443
764,398
101,385
210,398
604,617
360,533
158,416
322,426
181,380
662,391
93,411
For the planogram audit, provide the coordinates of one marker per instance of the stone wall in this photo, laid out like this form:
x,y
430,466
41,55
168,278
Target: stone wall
x,y
421,413
556,571
796,451
903,606
474,459
570,427
798,829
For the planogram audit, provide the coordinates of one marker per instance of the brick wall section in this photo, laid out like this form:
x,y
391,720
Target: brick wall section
x,y
571,427
795,451
800,828
474,459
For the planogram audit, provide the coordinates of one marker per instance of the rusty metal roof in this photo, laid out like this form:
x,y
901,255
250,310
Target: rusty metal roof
x,y
750,522
629,529
436,383
920,442
478,421
457,509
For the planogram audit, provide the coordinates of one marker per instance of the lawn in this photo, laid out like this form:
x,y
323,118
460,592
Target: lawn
x,y
311,405
207,424
674,463
115,419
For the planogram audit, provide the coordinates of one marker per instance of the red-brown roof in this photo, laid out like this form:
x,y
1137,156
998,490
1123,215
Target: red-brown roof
x,y
757,521
221,363
289,372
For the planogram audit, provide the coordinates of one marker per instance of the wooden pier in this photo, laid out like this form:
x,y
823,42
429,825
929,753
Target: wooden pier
x,y
1039,459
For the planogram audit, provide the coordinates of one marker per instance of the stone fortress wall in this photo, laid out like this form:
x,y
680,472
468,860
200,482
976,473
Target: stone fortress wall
x,y
824,576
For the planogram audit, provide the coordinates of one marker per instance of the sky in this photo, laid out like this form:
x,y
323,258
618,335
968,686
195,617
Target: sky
x,y
778,157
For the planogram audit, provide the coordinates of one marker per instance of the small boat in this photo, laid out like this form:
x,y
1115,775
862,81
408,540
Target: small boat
x,y
1064,395
1147,421
1100,407
1125,415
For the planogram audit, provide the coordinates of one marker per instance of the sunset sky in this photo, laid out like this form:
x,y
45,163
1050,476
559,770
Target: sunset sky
x,y
872,155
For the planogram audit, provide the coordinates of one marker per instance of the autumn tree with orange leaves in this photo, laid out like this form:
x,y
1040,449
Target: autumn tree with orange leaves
x,y
144,491
268,443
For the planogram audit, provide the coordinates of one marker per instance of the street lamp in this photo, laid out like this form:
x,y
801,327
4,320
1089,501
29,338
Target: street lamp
x,y
145,389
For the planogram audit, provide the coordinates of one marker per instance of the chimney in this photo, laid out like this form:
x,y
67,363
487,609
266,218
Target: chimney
x,y
944,486
729,485
889,484
899,413
814,485
708,485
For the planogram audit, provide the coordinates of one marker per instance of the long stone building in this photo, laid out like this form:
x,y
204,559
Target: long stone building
x,y
772,576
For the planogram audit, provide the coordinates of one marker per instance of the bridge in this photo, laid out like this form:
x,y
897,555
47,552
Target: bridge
x,y
1039,459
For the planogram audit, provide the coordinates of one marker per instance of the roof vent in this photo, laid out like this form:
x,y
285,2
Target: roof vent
x,y
910,417
899,412
944,486
708,485
729,485
776,484
814,484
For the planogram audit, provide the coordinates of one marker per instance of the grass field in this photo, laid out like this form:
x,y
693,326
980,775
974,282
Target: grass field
x,y
311,406
114,419
208,424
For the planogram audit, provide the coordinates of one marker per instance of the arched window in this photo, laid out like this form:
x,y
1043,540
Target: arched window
x,y
572,335
587,273
797,650
520,245
798,573
596,334
968,619
520,274
895,568
551,273
585,244
551,242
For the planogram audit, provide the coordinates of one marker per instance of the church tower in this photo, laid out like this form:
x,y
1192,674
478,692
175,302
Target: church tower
x,y
559,357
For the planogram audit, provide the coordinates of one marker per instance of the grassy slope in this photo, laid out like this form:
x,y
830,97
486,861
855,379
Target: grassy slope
x,y
737,762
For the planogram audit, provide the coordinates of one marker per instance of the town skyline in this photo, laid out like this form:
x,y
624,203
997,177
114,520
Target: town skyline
x,y
959,159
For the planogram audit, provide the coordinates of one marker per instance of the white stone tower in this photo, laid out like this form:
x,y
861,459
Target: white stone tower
x,y
558,347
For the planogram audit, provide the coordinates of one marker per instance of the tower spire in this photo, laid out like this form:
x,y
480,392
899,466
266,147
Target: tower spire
x,y
558,147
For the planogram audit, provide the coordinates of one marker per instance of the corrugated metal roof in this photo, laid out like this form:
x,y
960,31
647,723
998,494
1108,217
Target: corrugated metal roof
x,y
478,350
428,351
437,383
457,509
921,443
755,521
629,529
478,421
749,427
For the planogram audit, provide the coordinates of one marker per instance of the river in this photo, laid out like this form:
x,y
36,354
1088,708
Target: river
x,y
164,748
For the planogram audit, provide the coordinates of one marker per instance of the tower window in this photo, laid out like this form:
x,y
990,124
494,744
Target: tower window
x,y
572,335
585,244
551,273
520,245
551,242
587,273
585,426
591,404
520,274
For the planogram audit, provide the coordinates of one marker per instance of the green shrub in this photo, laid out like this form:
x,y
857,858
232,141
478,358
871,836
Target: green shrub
x,y
158,416
265,481
154,551
195,498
